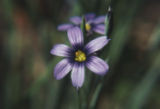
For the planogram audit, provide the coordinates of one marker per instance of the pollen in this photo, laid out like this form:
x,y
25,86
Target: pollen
x,y
88,26
80,56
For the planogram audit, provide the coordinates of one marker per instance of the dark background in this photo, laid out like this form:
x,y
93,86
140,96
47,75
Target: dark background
x,y
28,30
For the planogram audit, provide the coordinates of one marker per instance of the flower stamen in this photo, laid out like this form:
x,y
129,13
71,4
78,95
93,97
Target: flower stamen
x,y
88,26
80,56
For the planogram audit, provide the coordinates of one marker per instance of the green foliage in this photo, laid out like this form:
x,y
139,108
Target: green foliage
x,y
29,30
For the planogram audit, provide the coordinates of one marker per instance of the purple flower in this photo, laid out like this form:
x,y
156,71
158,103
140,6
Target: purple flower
x,y
78,56
93,24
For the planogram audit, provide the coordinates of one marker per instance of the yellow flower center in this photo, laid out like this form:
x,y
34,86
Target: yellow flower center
x,y
88,26
80,56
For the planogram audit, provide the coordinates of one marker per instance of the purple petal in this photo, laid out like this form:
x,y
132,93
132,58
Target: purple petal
x,y
97,65
75,36
76,20
77,75
62,69
90,16
60,50
96,44
64,27
99,29
100,19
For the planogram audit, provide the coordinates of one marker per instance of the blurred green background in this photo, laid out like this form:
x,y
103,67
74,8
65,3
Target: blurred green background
x,y
28,30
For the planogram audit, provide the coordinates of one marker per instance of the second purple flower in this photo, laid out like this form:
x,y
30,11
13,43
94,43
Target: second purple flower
x,y
93,24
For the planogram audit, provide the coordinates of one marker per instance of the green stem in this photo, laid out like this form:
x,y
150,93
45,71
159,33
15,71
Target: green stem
x,y
79,100
95,96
